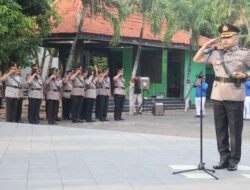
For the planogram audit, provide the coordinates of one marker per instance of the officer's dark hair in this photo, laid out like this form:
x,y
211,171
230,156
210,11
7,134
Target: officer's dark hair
x,y
90,72
51,72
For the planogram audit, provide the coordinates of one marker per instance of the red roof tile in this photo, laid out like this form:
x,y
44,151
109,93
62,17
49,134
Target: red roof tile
x,y
69,9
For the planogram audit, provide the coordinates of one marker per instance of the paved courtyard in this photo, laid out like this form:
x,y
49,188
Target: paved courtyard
x,y
139,153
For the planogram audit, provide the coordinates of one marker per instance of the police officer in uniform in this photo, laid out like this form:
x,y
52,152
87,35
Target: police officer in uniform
x,y
35,94
1,91
12,93
119,94
54,85
97,103
77,94
82,113
66,97
228,94
103,82
90,95
20,100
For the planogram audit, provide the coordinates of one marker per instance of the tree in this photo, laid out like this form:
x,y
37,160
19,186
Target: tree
x,y
150,11
102,7
23,27
192,16
238,13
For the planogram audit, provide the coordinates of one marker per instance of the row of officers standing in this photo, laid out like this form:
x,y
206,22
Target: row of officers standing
x,y
79,91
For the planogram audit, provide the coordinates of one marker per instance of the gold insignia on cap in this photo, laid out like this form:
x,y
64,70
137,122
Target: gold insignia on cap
x,y
225,28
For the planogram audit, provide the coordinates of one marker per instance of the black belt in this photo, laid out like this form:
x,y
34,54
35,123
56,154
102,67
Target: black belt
x,y
119,87
104,87
14,86
36,89
67,90
93,88
54,90
78,87
229,80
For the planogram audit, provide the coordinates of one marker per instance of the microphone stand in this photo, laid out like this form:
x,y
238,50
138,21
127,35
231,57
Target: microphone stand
x,y
201,165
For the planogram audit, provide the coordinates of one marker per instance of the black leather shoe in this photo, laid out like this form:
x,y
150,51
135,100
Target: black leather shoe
x,y
117,119
221,165
121,119
90,120
232,167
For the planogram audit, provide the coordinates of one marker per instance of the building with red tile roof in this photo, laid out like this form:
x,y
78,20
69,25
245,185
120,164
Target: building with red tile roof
x,y
166,67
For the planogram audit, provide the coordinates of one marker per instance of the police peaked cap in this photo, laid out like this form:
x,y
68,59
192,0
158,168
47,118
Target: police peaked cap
x,y
78,67
52,69
13,66
34,66
228,30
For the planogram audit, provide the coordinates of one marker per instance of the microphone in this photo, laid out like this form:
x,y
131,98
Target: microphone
x,y
208,50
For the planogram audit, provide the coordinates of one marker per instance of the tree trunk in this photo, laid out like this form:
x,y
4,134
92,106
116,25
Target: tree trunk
x,y
229,19
43,59
52,52
189,73
37,59
247,26
138,54
79,30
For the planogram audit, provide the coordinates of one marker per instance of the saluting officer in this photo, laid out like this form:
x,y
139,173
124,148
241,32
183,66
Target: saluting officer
x,y
97,101
90,95
77,94
35,94
66,97
83,114
54,85
103,82
1,90
12,93
20,100
119,94
228,94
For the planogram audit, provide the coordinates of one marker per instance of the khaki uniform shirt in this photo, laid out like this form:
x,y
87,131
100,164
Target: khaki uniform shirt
x,y
78,86
35,87
90,88
12,86
103,88
67,89
53,89
120,86
20,80
237,61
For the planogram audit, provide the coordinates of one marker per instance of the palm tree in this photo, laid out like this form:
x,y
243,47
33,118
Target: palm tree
x,y
192,16
150,12
102,7
233,12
